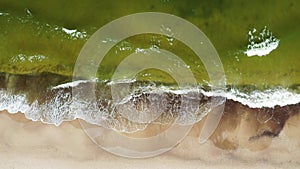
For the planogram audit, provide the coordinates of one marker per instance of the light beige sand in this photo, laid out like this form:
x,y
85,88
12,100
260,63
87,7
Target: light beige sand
x,y
32,145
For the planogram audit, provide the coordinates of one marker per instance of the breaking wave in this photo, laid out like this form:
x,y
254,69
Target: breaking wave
x,y
144,105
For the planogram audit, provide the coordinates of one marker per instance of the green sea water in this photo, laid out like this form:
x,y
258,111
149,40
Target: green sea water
x,y
34,39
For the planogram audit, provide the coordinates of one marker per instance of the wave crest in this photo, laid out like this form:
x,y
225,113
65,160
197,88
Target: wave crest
x,y
143,106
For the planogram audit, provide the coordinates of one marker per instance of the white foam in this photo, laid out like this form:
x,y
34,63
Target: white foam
x,y
24,58
259,99
255,99
261,44
74,33
69,31
262,49
72,84
3,14
126,81
13,103
64,107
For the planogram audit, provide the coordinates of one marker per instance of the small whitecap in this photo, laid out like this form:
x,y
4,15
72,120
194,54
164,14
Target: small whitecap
x,y
262,43
74,33
24,58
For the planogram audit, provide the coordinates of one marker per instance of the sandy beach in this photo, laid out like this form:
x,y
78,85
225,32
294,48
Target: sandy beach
x,y
26,144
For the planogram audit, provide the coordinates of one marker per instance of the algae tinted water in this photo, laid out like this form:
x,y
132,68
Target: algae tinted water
x,y
47,36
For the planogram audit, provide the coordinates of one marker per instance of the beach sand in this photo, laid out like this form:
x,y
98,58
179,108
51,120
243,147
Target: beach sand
x,y
25,144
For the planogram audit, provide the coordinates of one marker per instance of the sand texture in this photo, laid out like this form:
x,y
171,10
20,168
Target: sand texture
x,y
26,144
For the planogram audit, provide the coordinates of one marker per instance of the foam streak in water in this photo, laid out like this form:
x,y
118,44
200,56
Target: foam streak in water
x,y
73,84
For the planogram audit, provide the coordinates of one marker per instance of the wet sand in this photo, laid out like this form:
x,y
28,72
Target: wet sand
x,y
27,144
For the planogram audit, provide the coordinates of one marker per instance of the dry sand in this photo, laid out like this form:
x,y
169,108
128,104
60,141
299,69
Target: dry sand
x,y
32,145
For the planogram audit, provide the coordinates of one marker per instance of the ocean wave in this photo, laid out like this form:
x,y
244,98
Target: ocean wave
x,y
268,98
139,110
144,105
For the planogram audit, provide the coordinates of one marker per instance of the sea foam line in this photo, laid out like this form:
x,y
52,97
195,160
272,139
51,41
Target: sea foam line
x,y
258,99
268,98
58,109
73,84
